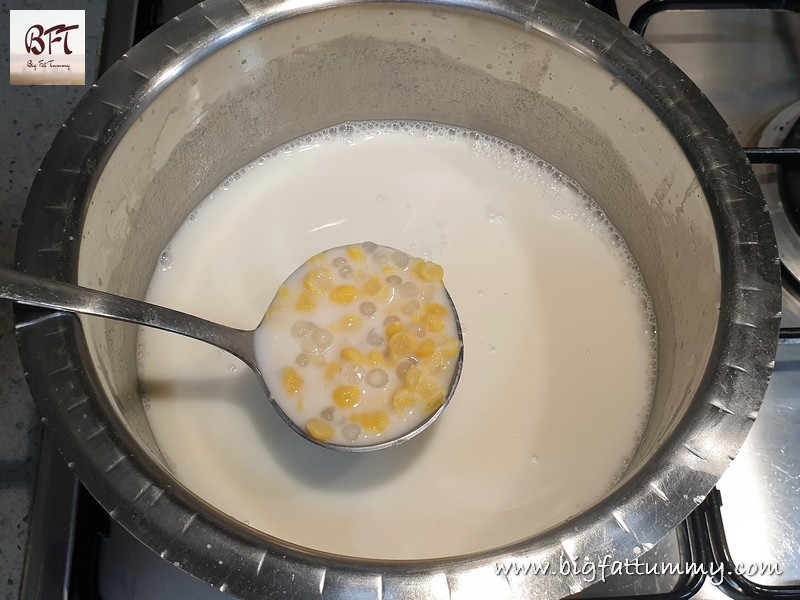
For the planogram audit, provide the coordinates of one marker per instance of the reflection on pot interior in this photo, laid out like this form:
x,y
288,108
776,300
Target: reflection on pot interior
x,y
559,343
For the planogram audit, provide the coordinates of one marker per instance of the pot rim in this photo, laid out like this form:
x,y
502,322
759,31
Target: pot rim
x,y
242,561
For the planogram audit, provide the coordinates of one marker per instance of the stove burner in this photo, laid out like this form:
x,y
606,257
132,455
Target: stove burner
x,y
781,187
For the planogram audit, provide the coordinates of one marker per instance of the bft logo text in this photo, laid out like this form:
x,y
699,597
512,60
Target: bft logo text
x,y
48,47
37,35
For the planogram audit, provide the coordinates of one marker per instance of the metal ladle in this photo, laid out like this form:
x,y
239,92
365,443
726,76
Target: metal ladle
x,y
57,295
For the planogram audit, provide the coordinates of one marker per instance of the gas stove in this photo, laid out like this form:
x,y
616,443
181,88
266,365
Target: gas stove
x,y
743,541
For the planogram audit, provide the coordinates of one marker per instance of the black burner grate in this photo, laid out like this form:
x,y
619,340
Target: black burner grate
x,y
788,155
791,179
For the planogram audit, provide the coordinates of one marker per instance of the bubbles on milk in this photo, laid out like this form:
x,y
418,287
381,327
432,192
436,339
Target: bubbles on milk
x,y
493,215
232,179
165,260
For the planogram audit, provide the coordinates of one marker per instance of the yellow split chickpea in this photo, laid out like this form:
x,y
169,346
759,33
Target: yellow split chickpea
x,y
344,294
347,396
366,344
320,430
318,281
292,382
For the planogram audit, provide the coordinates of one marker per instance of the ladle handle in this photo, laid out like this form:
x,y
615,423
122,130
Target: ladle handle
x,y
57,295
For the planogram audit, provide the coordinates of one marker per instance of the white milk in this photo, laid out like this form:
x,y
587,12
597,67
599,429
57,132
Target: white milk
x,y
559,347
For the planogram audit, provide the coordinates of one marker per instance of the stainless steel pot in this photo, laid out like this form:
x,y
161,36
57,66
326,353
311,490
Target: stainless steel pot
x,y
228,80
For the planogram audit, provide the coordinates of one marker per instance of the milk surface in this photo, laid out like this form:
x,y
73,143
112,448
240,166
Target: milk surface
x,y
559,344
